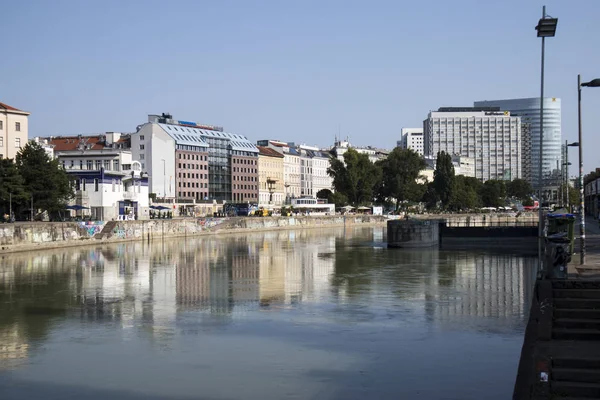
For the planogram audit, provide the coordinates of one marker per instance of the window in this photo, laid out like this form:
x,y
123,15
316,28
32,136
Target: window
x,y
142,147
107,165
141,156
96,185
83,184
1,125
80,164
1,140
115,165
18,126
141,137
18,142
90,164
77,184
98,164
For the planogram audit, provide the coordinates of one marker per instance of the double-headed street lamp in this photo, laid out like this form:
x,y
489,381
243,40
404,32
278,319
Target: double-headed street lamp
x,y
592,83
546,27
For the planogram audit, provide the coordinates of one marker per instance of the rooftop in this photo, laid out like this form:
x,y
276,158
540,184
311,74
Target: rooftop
x,y
269,152
73,143
6,107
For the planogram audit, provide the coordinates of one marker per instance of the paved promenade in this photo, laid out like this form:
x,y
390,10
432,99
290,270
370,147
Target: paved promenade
x,y
591,268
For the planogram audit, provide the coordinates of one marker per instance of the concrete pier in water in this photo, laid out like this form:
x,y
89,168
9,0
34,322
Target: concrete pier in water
x,y
413,233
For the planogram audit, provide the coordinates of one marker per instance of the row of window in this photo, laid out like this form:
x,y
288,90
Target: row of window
x,y
192,176
191,157
244,178
192,184
17,141
192,166
245,187
245,170
81,184
244,196
243,161
17,126
98,164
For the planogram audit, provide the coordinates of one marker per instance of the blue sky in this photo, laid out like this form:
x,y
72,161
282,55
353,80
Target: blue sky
x,y
291,70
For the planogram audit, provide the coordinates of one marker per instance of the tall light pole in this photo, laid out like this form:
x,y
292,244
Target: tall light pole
x,y
546,27
592,83
574,144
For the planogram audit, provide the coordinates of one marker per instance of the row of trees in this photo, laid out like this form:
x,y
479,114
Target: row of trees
x,y
396,181
33,175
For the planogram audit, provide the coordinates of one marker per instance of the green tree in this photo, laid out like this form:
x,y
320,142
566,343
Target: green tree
x,y
400,171
493,193
443,177
430,197
338,199
44,179
324,194
465,195
11,186
519,188
356,178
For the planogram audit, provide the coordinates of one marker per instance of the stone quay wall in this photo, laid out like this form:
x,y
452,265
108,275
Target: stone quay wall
x,y
39,235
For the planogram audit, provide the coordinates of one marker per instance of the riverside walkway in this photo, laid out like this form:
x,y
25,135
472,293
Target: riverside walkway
x,y
561,351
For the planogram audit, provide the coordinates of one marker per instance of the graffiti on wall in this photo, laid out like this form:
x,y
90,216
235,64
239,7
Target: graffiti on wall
x,y
207,223
92,227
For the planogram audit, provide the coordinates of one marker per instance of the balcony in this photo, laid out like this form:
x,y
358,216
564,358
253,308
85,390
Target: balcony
x,y
130,195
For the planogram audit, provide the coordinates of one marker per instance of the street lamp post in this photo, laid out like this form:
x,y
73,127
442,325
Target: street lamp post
x,y
546,27
592,83
565,184
574,144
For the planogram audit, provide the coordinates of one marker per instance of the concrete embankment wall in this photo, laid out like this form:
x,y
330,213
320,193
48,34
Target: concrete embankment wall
x,y
30,236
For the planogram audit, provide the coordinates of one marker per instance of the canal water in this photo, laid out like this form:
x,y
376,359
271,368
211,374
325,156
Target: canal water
x,y
308,314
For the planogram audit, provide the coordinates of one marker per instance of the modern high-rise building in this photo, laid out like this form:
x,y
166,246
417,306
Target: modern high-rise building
x,y
492,138
412,138
529,111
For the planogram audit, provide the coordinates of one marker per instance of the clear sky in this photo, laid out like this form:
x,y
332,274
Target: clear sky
x,y
291,70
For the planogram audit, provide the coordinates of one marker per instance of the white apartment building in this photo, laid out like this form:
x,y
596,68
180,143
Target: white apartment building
x,y
306,170
321,179
341,146
109,183
412,138
14,130
462,165
492,138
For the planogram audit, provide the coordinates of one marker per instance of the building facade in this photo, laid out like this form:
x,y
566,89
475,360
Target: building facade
x,y
529,111
191,162
492,138
291,167
270,176
412,138
14,130
109,183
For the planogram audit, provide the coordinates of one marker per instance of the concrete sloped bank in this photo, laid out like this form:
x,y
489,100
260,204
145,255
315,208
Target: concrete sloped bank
x,y
39,235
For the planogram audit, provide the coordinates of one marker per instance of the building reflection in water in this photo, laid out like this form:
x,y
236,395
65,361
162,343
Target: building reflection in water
x,y
144,289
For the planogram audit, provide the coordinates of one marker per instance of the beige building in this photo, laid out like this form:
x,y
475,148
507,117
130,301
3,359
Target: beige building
x,y
270,176
291,167
14,130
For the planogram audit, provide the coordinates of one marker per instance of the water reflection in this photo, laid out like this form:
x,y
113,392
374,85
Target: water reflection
x,y
303,285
